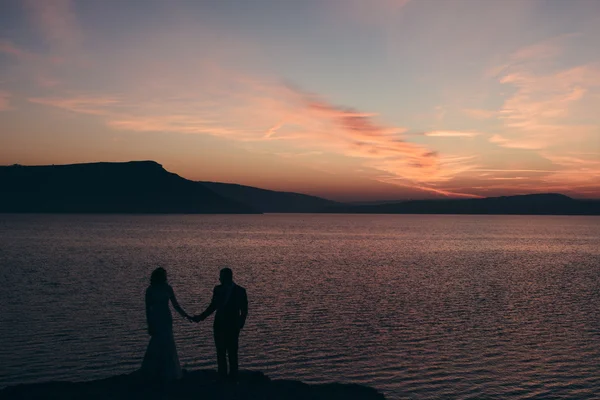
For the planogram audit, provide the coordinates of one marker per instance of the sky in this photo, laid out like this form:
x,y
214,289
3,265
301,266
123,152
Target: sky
x,y
352,100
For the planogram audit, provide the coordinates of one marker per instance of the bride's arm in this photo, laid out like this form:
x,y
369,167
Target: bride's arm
x,y
149,312
177,307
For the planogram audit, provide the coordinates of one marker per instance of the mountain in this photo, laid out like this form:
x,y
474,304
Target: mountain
x,y
129,187
270,200
531,204
146,187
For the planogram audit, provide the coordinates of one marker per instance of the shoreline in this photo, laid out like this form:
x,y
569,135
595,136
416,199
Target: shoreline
x,y
196,384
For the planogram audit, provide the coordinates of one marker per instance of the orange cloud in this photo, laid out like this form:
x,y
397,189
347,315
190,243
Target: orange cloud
x,y
196,95
169,123
439,191
452,134
512,170
251,110
576,174
435,170
576,170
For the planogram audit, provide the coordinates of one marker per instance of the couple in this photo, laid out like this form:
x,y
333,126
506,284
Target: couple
x,y
229,301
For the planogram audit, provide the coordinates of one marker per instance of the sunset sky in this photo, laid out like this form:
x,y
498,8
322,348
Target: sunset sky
x,y
346,99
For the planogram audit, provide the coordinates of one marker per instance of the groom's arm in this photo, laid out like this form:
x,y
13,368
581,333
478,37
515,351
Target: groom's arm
x,y
211,307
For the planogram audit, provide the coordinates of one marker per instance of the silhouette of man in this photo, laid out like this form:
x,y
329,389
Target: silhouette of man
x,y
231,304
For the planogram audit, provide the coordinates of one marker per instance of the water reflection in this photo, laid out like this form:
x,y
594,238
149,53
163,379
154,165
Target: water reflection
x,y
418,306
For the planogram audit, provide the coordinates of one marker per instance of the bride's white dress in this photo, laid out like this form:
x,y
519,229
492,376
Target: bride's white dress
x,y
161,360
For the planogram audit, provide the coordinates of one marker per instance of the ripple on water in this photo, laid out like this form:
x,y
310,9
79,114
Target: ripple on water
x,y
416,306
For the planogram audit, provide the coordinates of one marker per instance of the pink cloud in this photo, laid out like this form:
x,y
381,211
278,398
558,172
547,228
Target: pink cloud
x,y
368,12
478,113
32,65
57,22
79,104
46,81
528,143
533,54
452,134
511,178
8,47
546,49
272,131
4,101
542,111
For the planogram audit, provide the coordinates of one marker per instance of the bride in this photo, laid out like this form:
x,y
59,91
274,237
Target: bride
x,y
161,361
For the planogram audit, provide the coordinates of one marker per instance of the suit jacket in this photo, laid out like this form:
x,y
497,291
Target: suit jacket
x,y
232,312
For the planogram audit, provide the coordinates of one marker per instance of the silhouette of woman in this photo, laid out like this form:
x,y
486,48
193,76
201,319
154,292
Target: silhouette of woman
x,y
161,360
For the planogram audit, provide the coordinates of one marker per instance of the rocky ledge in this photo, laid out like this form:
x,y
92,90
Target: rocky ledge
x,y
202,384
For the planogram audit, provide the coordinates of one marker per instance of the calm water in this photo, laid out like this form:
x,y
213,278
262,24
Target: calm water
x,y
416,306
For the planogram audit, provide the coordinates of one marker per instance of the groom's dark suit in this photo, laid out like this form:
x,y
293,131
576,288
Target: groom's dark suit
x,y
231,305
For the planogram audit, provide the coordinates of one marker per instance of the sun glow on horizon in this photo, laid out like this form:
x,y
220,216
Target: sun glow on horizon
x,y
350,100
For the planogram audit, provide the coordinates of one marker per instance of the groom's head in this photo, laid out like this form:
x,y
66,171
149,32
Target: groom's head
x,y
226,276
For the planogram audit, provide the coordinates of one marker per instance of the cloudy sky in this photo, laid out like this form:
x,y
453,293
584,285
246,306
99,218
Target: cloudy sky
x,y
347,99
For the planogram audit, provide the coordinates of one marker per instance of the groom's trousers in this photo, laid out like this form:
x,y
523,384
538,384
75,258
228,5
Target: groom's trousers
x,y
226,341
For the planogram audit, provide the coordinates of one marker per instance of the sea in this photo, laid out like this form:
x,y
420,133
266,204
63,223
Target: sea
x,y
416,306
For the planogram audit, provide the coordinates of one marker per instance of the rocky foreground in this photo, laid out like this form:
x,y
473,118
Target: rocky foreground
x,y
202,384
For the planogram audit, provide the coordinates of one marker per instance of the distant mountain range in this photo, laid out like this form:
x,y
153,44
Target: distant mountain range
x,y
530,204
270,201
136,187
146,187
131,187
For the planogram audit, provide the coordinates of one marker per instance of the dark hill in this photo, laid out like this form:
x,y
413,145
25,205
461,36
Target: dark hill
x,y
532,204
269,200
194,385
130,187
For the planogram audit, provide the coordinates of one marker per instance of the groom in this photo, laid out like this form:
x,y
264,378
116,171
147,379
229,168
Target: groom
x,y
231,304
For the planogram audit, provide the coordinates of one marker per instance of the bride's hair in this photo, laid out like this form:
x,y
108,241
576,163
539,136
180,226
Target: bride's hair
x,y
159,275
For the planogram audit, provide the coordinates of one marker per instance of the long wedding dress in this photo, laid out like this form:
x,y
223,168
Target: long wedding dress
x,y
161,360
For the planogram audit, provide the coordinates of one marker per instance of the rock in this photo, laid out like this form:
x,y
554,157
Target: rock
x,y
201,384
